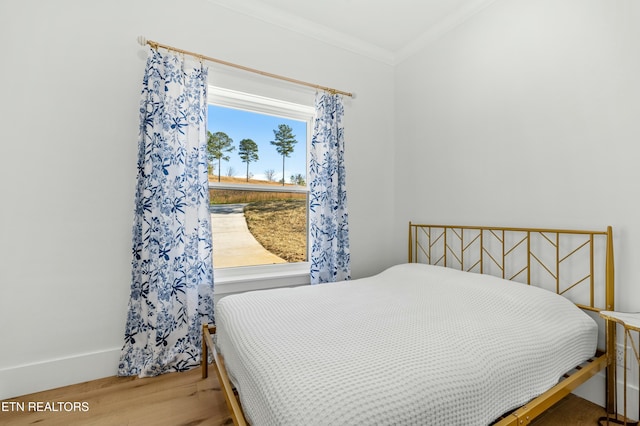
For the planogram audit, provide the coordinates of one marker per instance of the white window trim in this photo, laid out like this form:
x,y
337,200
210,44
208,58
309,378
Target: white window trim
x,y
246,101
260,277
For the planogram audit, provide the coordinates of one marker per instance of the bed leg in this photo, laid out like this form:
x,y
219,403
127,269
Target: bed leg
x,y
611,372
204,358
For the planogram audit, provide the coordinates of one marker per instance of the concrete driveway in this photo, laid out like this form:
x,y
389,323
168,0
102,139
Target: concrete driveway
x,y
233,244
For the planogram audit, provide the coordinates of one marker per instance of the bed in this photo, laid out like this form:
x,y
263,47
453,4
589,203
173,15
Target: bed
x,y
457,335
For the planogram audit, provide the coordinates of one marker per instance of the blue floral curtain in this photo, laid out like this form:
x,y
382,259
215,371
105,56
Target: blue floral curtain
x,y
172,272
328,218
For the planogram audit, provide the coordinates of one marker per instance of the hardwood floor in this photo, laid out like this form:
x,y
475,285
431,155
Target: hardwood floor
x,y
182,399
571,411
170,399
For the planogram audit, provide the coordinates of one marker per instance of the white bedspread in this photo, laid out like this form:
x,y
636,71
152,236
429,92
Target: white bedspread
x,y
415,344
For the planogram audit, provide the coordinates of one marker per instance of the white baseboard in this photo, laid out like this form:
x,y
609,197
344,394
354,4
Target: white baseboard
x,y
595,391
26,379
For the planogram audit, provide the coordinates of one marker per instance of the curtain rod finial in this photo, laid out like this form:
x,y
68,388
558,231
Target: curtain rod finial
x,y
142,40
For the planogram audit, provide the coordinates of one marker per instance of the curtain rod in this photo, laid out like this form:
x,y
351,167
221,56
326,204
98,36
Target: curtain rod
x,y
155,45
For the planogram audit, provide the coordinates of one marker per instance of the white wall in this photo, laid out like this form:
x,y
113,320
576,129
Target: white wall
x,y
527,115
71,73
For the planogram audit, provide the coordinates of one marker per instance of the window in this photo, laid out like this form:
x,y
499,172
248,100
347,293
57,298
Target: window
x,y
258,188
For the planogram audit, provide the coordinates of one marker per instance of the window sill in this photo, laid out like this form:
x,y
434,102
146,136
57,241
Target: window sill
x,y
248,278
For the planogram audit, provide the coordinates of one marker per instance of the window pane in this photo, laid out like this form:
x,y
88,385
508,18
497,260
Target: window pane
x,y
258,189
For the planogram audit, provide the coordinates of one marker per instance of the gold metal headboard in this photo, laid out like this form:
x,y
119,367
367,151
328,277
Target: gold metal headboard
x,y
515,253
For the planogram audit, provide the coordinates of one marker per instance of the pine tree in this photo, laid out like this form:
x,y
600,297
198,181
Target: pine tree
x,y
217,145
284,142
248,152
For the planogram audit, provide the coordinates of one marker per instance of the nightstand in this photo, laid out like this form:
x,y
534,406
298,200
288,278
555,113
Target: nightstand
x,y
630,322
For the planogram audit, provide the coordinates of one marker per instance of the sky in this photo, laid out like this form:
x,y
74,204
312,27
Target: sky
x,y
239,125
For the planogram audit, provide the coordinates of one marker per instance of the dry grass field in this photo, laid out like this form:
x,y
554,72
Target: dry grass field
x,y
280,226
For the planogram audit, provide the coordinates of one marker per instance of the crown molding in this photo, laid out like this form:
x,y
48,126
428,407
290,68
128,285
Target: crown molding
x,y
274,16
307,28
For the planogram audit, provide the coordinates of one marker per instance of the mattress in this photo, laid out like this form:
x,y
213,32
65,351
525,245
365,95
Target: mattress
x,y
416,344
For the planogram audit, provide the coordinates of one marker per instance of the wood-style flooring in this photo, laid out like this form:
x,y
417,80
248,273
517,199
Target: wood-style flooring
x,y
183,399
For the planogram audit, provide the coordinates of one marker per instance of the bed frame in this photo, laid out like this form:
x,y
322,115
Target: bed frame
x,y
527,255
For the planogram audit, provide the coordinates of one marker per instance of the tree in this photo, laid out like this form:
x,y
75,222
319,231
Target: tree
x,y
218,144
248,152
298,179
284,142
270,174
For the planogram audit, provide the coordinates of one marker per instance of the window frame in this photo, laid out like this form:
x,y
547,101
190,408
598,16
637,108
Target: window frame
x,y
257,277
